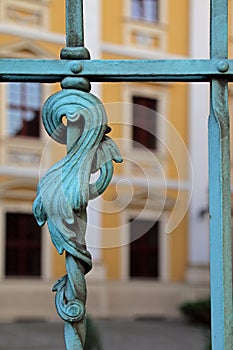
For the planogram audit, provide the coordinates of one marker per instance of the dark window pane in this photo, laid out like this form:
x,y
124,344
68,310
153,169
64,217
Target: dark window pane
x,y
144,251
23,245
24,102
144,122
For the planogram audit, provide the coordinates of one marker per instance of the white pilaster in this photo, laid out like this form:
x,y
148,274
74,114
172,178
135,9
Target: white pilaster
x,y
92,32
198,118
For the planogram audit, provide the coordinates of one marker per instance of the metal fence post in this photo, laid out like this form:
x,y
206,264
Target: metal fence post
x,y
219,185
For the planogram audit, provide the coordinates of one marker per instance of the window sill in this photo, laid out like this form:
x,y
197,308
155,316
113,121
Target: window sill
x,y
146,24
147,35
21,151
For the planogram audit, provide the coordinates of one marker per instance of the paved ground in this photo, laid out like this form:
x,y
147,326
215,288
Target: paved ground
x,y
116,335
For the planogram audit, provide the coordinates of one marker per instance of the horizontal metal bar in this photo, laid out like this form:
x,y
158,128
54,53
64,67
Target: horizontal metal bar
x,y
12,70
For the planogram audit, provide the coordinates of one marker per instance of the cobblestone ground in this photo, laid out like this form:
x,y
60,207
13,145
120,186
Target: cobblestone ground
x,y
116,335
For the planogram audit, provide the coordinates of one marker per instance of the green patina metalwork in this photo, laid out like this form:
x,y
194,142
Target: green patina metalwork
x,y
219,187
50,71
64,191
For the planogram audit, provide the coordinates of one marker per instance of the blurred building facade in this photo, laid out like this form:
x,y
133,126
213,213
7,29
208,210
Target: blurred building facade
x,y
147,236
29,29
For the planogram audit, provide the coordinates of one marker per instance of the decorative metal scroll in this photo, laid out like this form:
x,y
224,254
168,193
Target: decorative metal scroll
x,y
64,192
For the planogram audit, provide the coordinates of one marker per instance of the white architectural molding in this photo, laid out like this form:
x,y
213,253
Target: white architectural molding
x,y
32,34
23,206
92,10
24,49
172,184
137,53
19,172
198,120
143,157
124,233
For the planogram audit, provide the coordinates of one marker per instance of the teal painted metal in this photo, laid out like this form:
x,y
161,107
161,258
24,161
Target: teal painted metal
x,y
74,24
220,193
114,70
64,191
220,217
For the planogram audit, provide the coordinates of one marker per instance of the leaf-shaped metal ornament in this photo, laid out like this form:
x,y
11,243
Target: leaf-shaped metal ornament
x,y
64,191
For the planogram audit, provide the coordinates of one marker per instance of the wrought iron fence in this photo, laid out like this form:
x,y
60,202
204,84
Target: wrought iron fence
x,y
64,191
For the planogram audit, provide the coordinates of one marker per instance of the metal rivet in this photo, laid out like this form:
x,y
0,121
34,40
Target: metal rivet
x,y
223,66
76,67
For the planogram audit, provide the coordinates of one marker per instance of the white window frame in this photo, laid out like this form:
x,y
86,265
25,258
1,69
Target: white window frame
x,y
23,107
164,260
20,144
46,248
144,35
162,8
156,92
147,11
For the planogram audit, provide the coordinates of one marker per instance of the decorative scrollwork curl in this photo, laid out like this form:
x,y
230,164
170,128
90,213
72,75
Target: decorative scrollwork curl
x,y
72,310
64,191
71,103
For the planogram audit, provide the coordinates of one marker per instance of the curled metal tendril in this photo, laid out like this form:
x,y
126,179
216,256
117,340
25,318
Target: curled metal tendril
x,y
63,194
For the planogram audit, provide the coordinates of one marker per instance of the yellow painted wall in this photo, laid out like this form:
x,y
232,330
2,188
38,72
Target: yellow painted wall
x,y
177,114
178,27
111,256
112,20
178,117
58,264
56,25
57,13
178,240
113,32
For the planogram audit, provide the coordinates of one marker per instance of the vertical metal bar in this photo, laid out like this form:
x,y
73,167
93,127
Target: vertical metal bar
x,y
219,186
74,23
219,29
220,218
